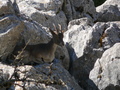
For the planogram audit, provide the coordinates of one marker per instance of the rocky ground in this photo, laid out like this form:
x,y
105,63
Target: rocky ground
x,y
89,60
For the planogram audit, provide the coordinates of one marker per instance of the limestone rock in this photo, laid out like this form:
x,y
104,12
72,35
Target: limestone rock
x,y
106,73
68,9
109,11
10,29
41,77
51,76
6,7
44,12
45,5
57,11
5,73
112,2
84,8
76,35
35,33
63,56
85,45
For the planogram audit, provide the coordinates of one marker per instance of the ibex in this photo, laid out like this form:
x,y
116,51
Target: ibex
x,y
46,51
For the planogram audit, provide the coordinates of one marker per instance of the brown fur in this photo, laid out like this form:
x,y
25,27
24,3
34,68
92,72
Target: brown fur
x,y
46,51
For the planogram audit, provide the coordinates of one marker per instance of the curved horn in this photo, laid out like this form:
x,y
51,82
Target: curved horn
x,y
60,28
55,28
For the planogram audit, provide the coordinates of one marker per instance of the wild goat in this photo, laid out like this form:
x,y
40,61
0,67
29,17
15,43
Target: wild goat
x,y
46,51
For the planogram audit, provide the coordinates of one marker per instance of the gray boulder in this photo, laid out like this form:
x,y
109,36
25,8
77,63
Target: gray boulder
x,y
84,8
44,12
10,30
112,2
106,73
68,10
77,35
6,7
63,56
40,77
75,9
109,11
86,43
45,5
57,11
35,33
5,74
